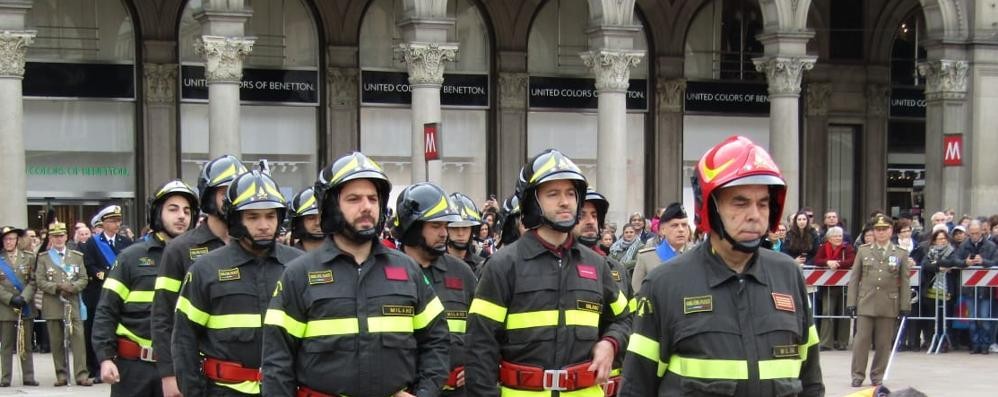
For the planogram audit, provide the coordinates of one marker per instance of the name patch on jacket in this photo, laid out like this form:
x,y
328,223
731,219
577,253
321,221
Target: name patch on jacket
x,y
453,283
196,252
587,271
397,310
698,304
396,273
589,306
784,302
323,277
228,274
457,314
146,261
787,351
615,274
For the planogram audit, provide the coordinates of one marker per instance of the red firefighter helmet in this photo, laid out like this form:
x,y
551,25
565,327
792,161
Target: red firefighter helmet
x,y
736,161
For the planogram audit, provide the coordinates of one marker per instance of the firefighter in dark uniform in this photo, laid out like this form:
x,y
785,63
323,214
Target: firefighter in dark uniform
x,y
354,317
17,295
122,335
422,223
181,252
548,318
587,232
61,274
459,234
100,254
727,318
508,225
217,333
305,227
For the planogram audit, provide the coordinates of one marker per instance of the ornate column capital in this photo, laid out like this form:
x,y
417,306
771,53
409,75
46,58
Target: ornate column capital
x,y
343,87
223,57
611,67
13,46
944,79
425,61
671,95
818,95
160,83
878,97
513,90
784,73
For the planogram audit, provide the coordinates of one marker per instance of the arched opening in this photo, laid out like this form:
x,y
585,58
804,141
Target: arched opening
x,y
385,113
280,93
906,126
80,110
562,98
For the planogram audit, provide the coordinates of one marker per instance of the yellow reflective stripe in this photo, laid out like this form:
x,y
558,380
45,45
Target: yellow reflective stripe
x,y
488,310
390,324
812,339
346,168
708,368
457,326
274,192
593,391
332,326
246,194
117,287
581,317
168,284
247,387
615,372
139,296
440,206
225,174
308,203
122,331
648,348
281,319
194,314
222,321
776,369
429,313
544,168
633,305
544,318
618,306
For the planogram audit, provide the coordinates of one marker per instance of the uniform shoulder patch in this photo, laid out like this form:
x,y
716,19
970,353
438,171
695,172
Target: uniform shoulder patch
x,y
320,277
649,249
784,302
197,252
698,304
228,274
146,261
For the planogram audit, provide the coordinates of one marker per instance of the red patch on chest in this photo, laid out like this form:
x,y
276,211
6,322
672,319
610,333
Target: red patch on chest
x,y
784,302
453,283
396,273
587,271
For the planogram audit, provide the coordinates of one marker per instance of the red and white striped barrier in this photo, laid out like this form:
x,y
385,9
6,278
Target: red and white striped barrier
x,y
825,277
979,278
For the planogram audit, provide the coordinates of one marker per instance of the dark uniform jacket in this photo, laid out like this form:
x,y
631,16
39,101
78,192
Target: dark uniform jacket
x,y
23,266
702,329
48,276
454,283
474,261
360,330
126,302
98,266
220,312
878,282
535,307
178,256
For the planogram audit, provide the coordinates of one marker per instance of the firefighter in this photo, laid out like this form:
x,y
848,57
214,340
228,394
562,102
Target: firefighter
x,y
354,317
547,318
17,295
217,335
727,318
508,225
122,335
459,233
423,223
181,252
304,214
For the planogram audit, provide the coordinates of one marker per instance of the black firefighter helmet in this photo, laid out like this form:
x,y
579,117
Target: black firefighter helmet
x,y
354,166
218,173
174,187
302,205
550,165
418,204
252,190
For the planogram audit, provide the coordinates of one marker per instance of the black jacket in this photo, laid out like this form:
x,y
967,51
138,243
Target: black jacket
x,y
98,266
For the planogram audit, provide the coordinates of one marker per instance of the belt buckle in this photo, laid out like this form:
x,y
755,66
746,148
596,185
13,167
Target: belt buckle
x,y
147,354
555,376
609,388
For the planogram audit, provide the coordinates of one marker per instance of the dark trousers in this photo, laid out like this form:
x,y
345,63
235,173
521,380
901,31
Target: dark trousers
x,y
137,379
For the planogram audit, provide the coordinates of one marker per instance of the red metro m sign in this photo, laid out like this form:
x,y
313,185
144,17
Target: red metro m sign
x,y
952,150
431,144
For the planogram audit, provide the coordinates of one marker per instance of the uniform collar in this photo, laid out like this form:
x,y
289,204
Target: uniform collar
x,y
718,272
328,251
535,245
242,256
202,234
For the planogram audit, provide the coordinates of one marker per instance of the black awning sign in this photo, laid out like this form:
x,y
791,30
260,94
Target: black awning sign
x,y
392,88
580,93
79,80
257,85
907,102
724,97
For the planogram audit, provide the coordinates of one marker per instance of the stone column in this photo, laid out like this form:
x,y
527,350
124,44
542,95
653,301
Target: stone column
x,y
342,82
14,41
511,131
160,123
613,70
784,76
815,147
668,155
223,72
945,113
873,179
425,63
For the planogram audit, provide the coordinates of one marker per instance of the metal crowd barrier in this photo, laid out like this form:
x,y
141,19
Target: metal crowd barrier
x,y
976,284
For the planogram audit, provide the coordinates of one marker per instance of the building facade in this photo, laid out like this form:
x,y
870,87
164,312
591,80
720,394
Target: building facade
x,y
861,103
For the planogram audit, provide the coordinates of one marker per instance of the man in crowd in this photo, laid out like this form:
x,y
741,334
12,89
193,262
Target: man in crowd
x,y
100,254
978,251
673,236
62,275
304,214
831,220
17,295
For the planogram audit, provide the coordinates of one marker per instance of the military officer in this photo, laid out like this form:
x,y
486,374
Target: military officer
x,y
459,233
122,336
17,294
878,293
673,235
100,254
62,275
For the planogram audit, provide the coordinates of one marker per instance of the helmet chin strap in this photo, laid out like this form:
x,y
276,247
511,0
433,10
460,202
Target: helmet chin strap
x,y
434,252
359,236
263,244
748,247
458,246
588,241
562,227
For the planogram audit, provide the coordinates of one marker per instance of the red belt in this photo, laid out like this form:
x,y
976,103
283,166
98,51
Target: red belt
x,y
306,392
529,377
612,386
229,372
132,351
452,378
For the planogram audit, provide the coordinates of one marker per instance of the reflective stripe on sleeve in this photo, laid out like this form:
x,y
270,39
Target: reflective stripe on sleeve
x,y
140,297
488,310
429,313
194,314
618,306
223,321
281,319
247,387
117,287
647,348
167,284
812,340
633,305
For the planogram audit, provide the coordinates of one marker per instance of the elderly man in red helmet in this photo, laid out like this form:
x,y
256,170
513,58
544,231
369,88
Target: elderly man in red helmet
x,y
727,318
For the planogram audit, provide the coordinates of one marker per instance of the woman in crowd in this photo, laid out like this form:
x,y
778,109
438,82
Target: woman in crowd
x,y
834,254
939,284
902,235
802,240
626,248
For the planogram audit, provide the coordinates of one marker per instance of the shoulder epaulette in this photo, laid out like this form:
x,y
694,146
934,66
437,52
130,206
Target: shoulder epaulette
x,y
649,249
75,252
